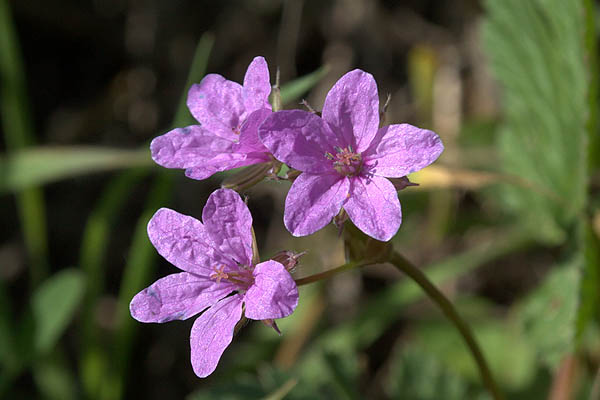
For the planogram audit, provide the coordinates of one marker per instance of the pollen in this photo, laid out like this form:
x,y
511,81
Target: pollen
x,y
219,274
345,160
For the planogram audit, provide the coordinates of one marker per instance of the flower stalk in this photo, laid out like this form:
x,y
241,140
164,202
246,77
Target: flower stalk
x,y
448,309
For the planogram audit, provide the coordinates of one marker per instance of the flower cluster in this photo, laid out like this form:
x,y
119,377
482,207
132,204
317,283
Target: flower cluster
x,y
342,159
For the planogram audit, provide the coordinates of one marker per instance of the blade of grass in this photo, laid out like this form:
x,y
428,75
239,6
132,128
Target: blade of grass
x,y
140,264
292,91
93,249
36,166
18,134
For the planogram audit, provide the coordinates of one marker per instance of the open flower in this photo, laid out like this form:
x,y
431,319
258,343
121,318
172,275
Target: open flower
x,y
345,158
229,116
219,277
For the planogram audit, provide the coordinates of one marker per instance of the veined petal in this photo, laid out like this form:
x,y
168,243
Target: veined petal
x,y
257,85
274,293
177,296
228,222
351,108
184,242
374,208
313,200
300,139
227,162
249,142
212,332
188,147
398,150
218,105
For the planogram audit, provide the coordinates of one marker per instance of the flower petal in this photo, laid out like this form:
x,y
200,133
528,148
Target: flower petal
x,y
257,85
274,293
184,242
228,222
188,147
374,208
218,105
352,109
177,296
313,200
218,164
212,332
249,142
398,150
299,139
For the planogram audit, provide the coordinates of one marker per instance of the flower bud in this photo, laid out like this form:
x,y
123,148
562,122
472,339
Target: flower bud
x,y
288,259
401,183
271,324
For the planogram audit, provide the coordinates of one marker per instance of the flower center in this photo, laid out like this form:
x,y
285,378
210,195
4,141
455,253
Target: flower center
x,y
345,161
242,278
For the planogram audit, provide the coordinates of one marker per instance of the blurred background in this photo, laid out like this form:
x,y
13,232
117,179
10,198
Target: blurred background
x,y
506,222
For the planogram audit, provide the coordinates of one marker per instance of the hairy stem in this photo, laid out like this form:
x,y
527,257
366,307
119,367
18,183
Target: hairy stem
x,y
448,309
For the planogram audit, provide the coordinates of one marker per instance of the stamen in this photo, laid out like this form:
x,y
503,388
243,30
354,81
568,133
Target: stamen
x,y
219,274
346,161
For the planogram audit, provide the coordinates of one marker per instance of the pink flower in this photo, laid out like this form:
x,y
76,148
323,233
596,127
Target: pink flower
x,y
229,116
218,278
345,158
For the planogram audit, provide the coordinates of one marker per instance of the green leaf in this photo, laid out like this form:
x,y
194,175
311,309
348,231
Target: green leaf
x,y
54,304
41,165
415,374
536,49
55,380
294,90
548,314
510,356
17,124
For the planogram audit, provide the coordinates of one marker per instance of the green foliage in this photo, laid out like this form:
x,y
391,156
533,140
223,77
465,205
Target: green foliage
x,y
548,314
294,90
536,49
54,303
511,357
416,374
38,166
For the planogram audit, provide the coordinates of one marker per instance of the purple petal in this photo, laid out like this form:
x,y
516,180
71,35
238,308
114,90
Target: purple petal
x,y
212,332
299,139
352,109
274,293
313,200
218,105
374,208
227,162
228,222
257,86
177,296
188,147
249,142
398,150
184,242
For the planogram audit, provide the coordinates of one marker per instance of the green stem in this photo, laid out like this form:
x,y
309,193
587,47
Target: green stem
x,y
331,272
448,309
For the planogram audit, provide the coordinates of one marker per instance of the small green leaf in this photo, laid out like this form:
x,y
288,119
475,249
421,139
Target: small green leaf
x,y
292,91
41,165
54,304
